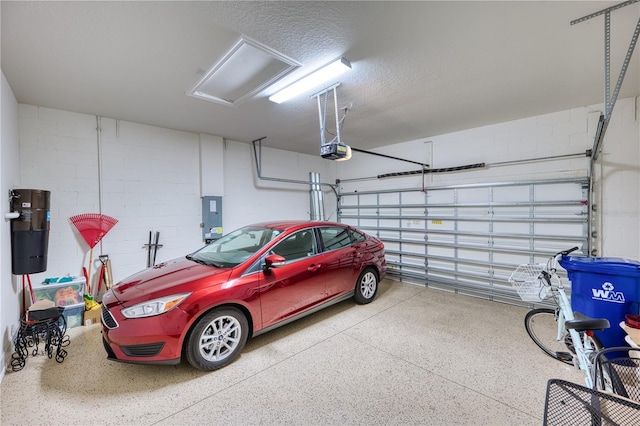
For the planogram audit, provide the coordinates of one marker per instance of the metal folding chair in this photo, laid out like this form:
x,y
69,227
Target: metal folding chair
x,y
617,370
572,404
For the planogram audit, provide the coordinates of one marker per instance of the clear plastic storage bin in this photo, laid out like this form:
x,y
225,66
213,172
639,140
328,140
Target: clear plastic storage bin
x,y
73,315
63,294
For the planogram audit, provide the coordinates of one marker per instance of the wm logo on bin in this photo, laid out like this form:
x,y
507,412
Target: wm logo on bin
x,y
607,294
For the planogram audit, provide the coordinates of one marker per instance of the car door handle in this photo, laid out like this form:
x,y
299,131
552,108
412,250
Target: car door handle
x,y
314,268
356,253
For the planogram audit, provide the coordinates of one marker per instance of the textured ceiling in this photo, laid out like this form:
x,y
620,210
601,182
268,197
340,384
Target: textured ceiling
x,y
419,68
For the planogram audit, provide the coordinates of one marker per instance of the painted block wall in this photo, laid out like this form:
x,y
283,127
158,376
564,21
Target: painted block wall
x,y
211,165
144,176
549,135
150,179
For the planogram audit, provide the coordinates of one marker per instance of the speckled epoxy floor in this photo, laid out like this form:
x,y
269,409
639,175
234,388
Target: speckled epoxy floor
x,y
413,356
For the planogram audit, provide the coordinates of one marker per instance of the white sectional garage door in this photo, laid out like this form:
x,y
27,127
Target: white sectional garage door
x,y
468,238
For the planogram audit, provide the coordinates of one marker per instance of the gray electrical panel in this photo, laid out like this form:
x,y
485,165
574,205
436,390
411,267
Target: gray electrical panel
x,y
211,218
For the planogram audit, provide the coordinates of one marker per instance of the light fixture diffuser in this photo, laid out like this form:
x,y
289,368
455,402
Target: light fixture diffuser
x,y
314,79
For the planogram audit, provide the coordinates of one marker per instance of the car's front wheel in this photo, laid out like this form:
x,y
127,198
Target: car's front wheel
x,y
217,339
366,286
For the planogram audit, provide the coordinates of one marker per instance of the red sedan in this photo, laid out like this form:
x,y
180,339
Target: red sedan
x,y
204,306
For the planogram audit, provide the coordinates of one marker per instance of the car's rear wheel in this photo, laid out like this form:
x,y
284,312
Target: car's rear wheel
x,y
366,286
217,339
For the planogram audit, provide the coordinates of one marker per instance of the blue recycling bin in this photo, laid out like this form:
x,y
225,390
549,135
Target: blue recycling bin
x,y
604,287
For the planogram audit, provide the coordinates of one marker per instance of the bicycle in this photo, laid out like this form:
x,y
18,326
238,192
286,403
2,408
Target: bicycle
x,y
556,330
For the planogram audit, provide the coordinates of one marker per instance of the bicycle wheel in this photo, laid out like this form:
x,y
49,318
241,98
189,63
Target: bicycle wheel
x,y
542,326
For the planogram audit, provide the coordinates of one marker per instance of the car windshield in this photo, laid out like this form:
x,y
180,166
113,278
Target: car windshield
x,y
234,248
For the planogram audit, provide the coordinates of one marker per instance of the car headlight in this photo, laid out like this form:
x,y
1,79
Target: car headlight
x,y
155,306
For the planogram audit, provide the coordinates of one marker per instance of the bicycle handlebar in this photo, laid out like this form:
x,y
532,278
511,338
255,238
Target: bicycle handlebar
x,y
566,252
551,263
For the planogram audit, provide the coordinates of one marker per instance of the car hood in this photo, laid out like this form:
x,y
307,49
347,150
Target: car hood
x,y
172,277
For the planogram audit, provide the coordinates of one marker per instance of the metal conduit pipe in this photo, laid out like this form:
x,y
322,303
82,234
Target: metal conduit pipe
x,y
99,148
257,154
316,201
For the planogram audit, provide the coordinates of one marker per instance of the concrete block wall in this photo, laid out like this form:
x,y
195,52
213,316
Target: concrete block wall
x,y
150,179
131,175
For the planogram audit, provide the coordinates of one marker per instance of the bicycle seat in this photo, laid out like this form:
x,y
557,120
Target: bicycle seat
x,y
585,323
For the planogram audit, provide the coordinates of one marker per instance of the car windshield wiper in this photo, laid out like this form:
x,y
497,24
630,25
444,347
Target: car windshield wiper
x,y
203,262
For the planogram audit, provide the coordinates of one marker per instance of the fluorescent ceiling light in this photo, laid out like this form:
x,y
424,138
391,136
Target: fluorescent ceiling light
x,y
314,79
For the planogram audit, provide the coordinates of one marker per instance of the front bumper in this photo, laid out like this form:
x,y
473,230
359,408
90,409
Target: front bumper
x,y
153,340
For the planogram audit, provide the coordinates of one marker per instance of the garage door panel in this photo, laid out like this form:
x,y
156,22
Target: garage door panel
x,y
470,237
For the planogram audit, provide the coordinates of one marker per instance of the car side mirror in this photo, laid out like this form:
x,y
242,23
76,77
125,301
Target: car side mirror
x,y
274,261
